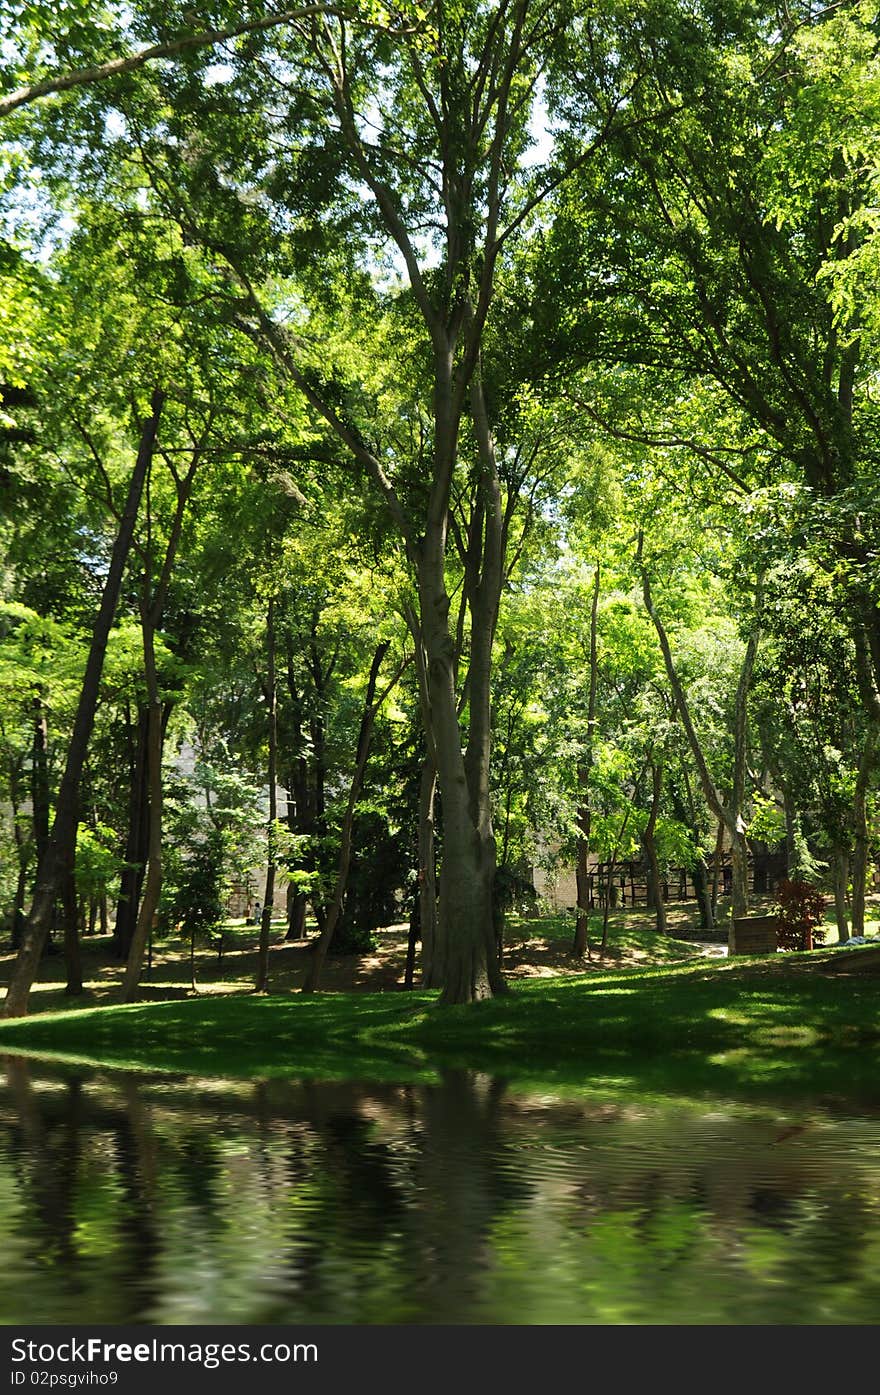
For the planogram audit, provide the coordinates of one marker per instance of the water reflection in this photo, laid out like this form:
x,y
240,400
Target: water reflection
x,y
134,1199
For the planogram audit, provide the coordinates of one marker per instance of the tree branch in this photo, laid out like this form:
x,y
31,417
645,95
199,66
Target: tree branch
x,y
116,67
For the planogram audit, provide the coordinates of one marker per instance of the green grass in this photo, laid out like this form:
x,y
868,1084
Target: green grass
x,y
747,1025
632,933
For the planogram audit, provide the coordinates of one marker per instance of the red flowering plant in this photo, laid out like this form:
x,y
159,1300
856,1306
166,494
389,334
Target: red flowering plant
x,y
800,912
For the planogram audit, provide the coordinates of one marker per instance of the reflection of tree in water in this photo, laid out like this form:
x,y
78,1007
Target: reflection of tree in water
x,y
46,1154
458,1201
409,1215
468,1180
137,1155
75,1202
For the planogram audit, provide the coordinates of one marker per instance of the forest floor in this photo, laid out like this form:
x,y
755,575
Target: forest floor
x,y
536,948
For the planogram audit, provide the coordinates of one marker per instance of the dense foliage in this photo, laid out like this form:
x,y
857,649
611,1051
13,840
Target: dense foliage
x,y
465,422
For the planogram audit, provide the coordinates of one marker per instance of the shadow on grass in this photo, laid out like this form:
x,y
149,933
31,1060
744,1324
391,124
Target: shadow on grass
x,y
744,1028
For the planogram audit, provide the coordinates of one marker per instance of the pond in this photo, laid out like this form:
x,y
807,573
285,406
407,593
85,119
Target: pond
x,y
133,1198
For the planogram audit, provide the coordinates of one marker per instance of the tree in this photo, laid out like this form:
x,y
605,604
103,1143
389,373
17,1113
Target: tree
x,y
58,861
40,24
728,812
450,194
716,260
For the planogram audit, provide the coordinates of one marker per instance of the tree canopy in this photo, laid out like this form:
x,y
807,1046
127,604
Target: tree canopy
x,y
435,443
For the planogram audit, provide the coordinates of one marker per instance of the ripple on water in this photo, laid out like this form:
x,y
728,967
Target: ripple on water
x,y
136,1200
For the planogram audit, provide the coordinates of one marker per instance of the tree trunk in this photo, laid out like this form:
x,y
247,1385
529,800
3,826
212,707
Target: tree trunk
x,y
581,943
655,883
729,815
412,941
296,914
433,958
580,947
716,865
861,849
466,921
790,831
21,853
61,851
137,841
152,607
271,695
739,862
687,814
841,880
40,778
18,921
71,938
703,892
334,910
300,805
153,881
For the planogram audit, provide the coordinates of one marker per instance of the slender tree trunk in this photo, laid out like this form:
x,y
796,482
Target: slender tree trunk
x,y
271,694
739,862
687,814
152,607
40,778
433,956
790,826
861,849
300,817
21,853
137,840
296,914
61,851
841,881
606,909
654,880
432,948
739,846
730,814
716,866
581,946
153,880
412,941
703,892
334,910
72,958
18,905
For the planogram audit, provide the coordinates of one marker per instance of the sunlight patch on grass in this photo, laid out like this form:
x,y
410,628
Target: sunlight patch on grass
x,y
730,1016
786,1036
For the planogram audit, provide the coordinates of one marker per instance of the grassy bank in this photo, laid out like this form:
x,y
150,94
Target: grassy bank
x,y
784,1021
535,947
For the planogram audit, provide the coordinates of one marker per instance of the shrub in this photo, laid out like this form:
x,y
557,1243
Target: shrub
x,y
376,879
800,912
192,896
